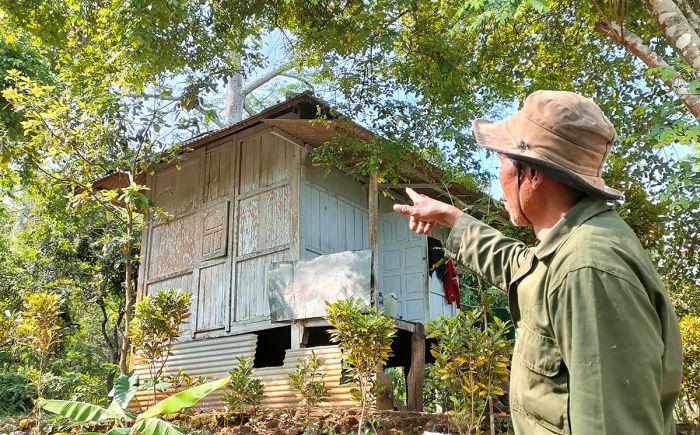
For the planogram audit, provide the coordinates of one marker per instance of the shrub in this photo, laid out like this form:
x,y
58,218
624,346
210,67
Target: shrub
x,y
398,383
688,406
182,381
308,382
7,324
244,390
155,329
365,344
38,331
16,394
471,365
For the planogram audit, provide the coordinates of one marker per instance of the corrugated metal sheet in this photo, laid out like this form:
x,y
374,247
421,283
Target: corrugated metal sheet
x,y
214,358
278,391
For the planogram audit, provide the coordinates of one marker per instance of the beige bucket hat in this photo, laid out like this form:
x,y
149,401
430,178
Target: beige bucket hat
x,y
560,132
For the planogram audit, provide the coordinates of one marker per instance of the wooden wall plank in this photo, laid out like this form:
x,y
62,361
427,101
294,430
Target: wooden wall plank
x,y
251,293
264,221
212,297
219,166
174,247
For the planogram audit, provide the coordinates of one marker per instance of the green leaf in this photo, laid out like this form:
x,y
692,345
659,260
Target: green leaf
x,y
125,389
183,399
155,426
118,431
78,411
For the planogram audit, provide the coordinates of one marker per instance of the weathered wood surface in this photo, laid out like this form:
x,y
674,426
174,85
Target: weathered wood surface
x,y
416,373
266,210
373,201
331,223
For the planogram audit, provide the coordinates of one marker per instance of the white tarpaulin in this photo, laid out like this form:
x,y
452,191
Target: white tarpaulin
x,y
300,289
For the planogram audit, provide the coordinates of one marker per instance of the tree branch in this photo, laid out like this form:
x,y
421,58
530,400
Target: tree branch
x,y
248,109
690,15
255,84
301,79
678,31
198,108
643,52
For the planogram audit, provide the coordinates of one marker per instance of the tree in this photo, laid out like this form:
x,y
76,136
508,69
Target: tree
x,y
365,341
38,331
156,327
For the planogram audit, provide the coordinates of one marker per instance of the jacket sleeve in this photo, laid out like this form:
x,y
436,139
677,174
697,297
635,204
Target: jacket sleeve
x,y
610,341
486,251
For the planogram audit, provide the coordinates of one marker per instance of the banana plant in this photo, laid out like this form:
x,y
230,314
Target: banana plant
x,y
126,422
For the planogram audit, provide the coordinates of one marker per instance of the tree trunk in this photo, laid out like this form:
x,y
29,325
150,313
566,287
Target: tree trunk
x,y
128,300
112,346
693,18
643,52
235,98
677,29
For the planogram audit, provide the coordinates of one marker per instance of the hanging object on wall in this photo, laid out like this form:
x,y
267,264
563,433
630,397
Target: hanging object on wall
x,y
300,289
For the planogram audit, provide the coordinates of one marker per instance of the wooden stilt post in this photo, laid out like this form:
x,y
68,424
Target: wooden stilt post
x,y
373,220
416,373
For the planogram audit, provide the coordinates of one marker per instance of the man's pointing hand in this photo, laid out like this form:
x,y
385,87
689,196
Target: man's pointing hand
x,y
427,212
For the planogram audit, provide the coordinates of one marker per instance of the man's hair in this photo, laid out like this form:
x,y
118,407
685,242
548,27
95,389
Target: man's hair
x,y
530,167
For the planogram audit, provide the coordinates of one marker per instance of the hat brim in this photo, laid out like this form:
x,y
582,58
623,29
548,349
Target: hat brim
x,y
495,136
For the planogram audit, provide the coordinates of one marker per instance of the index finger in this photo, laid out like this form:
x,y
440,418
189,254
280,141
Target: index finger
x,y
415,196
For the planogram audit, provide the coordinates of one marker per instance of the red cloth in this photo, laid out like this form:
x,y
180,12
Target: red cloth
x,y
451,284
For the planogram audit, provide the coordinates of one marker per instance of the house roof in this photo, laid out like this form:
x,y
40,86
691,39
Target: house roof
x,y
421,175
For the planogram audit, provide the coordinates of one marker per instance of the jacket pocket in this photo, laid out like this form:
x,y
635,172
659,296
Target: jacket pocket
x,y
538,352
539,380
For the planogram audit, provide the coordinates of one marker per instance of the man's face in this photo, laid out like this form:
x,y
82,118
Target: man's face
x,y
508,177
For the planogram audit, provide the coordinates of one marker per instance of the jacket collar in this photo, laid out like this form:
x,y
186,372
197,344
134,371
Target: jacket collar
x,y
579,213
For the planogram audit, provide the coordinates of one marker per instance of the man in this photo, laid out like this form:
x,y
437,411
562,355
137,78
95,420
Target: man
x,y
597,347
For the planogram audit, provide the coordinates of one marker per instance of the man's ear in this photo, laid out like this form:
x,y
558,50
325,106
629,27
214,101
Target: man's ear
x,y
536,178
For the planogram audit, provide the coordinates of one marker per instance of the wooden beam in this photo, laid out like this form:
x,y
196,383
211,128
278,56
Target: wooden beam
x,y
411,185
416,373
373,203
300,334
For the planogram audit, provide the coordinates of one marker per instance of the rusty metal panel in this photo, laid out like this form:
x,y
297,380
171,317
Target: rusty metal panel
x,y
216,357
278,389
301,291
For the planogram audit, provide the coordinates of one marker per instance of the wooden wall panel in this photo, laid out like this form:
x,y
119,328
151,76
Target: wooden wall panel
x,y
215,230
176,191
218,172
331,223
264,221
212,297
174,247
265,160
251,299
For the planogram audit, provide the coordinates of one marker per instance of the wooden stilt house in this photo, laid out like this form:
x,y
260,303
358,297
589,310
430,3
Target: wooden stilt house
x,y
245,199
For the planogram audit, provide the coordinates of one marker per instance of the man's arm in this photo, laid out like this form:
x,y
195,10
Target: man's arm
x,y
472,243
486,251
610,339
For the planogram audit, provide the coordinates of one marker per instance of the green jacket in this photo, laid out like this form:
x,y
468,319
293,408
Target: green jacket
x,y
597,347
